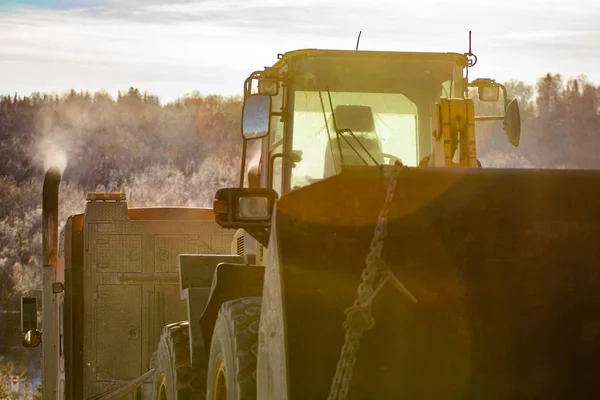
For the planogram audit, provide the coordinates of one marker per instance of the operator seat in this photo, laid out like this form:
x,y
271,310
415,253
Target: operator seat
x,y
359,119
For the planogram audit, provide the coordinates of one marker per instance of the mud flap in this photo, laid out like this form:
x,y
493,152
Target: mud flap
x,y
231,281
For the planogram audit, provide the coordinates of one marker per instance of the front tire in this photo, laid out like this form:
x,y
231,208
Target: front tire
x,y
174,376
233,350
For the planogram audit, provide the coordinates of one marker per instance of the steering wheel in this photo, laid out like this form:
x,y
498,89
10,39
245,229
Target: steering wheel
x,y
392,158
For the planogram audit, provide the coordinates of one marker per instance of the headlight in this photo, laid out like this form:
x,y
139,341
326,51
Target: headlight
x,y
268,87
244,208
253,207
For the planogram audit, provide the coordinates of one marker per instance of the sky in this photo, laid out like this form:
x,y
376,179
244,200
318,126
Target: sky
x,y
173,47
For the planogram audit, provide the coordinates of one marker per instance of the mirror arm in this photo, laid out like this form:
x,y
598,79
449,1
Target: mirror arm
x,y
243,166
271,163
490,118
504,92
292,157
248,83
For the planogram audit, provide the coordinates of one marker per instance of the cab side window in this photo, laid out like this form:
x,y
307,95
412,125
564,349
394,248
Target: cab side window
x,y
276,143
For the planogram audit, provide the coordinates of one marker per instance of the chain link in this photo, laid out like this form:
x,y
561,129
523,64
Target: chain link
x,y
358,316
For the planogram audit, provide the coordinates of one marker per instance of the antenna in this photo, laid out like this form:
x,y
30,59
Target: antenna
x,y
472,60
470,52
358,40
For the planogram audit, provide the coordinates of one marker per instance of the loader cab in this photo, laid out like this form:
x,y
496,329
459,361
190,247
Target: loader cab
x,y
316,111
330,108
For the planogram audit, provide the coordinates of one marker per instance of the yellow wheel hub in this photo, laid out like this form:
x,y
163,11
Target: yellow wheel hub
x,y
220,389
162,389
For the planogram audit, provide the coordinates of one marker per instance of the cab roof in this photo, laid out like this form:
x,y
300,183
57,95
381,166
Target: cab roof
x,y
295,54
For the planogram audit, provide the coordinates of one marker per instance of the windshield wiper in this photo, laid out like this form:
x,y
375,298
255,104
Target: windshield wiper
x,y
340,134
329,134
348,130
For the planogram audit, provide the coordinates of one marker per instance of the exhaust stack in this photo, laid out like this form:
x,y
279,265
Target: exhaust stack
x,y
50,216
50,260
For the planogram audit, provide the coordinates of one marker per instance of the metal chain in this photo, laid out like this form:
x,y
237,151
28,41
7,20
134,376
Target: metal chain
x,y
358,316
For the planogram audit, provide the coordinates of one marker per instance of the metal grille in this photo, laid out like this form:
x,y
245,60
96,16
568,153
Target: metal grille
x,y
118,253
240,245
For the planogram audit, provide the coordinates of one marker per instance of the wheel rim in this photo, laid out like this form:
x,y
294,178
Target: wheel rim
x,y
162,389
220,389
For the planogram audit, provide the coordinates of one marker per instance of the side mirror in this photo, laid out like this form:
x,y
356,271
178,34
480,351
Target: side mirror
x,y
512,122
256,116
31,336
244,207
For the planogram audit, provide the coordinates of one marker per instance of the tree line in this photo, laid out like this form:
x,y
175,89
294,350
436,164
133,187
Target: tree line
x,y
560,125
178,154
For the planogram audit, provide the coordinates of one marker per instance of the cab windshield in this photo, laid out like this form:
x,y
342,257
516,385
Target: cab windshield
x,y
384,109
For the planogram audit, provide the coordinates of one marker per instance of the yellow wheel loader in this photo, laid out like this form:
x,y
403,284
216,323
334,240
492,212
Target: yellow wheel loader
x,y
369,256
395,266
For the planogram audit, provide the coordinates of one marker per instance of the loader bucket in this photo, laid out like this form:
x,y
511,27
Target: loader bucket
x,y
504,265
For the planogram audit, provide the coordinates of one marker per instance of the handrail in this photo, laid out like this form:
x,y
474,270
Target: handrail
x,y
115,393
